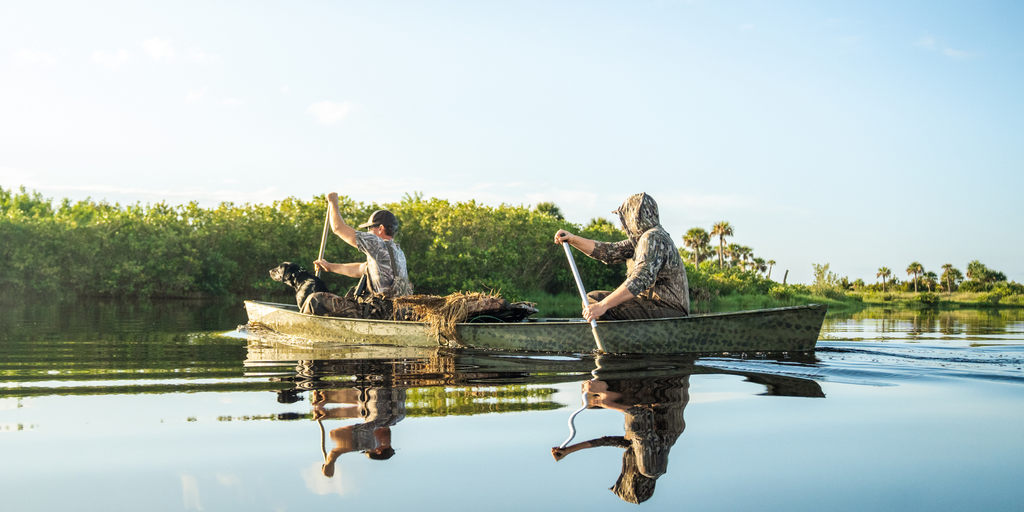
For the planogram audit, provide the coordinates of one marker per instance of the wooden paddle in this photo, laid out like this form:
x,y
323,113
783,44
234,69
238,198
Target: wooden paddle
x,y
323,239
583,293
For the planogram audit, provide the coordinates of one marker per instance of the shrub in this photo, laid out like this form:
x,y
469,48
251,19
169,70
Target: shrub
x,y
974,286
781,292
1009,288
928,298
726,280
826,284
989,299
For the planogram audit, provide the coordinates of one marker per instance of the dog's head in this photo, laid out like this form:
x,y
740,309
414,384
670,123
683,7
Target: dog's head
x,y
288,273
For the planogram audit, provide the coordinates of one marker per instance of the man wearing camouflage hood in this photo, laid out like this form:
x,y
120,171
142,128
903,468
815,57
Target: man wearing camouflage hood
x,y
655,285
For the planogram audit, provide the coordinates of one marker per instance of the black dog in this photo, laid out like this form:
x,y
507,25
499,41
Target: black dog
x,y
304,283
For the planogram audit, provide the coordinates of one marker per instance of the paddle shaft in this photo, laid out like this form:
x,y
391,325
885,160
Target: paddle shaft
x,y
323,239
583,292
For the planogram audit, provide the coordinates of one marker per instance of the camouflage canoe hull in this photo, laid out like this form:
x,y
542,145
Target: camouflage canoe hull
x,y
792,329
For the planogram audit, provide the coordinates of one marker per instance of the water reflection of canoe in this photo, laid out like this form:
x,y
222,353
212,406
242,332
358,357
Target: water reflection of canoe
x,y
341,366
792,329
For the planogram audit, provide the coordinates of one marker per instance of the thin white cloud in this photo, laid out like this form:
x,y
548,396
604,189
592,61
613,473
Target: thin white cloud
x,y
573,200
26,56
329,112
228,480
707,202
190,492
321,485
196,93
234,102
746,26
925,42
956,54
286,90
199,56
159,49
930,43
13,178
112,60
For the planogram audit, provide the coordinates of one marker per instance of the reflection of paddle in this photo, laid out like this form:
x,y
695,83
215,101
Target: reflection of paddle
x,y
323,449
323,239
572,418
583,293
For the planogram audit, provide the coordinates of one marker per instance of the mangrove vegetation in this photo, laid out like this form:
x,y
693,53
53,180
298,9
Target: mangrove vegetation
x,y
97,249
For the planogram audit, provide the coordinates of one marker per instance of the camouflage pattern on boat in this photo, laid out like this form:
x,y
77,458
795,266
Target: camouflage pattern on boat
x,y
792,329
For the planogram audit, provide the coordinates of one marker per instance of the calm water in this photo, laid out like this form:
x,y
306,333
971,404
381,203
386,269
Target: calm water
x,y
107,406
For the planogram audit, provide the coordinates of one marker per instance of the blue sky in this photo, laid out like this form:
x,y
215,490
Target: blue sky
x,y
860,134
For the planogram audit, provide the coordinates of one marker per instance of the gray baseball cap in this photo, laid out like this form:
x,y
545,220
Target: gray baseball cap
x,y
381,218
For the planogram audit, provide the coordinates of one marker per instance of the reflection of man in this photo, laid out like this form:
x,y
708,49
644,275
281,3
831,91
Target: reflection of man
x,y
653,410
380,408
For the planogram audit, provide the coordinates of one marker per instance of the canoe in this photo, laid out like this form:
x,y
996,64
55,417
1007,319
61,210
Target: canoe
x,y
792,329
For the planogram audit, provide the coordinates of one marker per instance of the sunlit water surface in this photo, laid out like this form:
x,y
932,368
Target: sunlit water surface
x,y
164,406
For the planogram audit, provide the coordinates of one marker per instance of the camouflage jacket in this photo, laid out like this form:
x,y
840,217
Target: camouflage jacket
x,y
654,270
385,278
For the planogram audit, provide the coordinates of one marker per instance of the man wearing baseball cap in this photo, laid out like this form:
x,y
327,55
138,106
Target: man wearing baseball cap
x,y
384,268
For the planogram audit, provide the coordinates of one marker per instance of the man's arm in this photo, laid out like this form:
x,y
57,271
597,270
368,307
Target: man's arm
x,y
620,295
649,258
585,245
344,231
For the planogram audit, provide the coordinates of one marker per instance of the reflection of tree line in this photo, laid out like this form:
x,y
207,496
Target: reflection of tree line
x,y
651,395
969,321
125,342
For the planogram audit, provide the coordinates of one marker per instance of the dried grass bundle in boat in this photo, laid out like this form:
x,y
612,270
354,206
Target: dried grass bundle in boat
x,y
444,313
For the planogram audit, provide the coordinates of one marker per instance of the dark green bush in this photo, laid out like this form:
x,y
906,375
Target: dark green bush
x,y
974,286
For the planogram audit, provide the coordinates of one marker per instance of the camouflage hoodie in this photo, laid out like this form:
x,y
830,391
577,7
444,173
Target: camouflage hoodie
x,y
654,270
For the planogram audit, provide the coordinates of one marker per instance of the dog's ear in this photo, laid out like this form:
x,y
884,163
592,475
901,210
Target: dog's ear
x,y
291,272
277,273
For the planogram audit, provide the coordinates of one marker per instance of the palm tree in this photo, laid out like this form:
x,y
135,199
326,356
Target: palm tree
x,y
721,230
760,265
733,251
952,276
549,208
705,248
771,263
947,271
929,279
957,276
884,273
915,268
977,271
696,239
746,256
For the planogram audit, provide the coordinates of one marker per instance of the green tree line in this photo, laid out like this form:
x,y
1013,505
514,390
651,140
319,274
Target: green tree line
x,y
90,248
